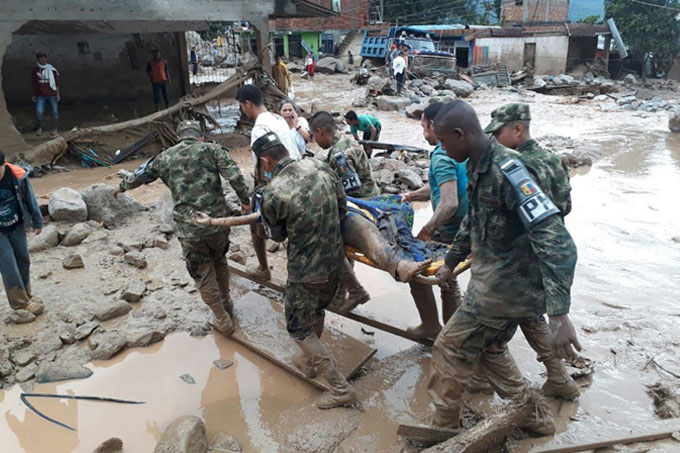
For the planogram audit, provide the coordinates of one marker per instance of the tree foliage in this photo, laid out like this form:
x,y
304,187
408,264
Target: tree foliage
x,y
592,19
648,29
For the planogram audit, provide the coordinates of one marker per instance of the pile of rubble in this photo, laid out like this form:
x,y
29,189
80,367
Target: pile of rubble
x,y
400,172
326,65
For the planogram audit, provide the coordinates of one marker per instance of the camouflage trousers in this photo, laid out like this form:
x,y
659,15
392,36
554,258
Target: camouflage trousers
x,y
206,262
468,344
305,305
536,332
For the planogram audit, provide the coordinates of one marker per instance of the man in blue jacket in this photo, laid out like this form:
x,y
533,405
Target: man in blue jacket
x,y
18,210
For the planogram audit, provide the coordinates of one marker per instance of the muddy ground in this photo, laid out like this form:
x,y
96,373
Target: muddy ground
x,y
624,304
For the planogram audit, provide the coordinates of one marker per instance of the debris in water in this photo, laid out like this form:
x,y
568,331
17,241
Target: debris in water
x,y
666,400
187,378
223,364
367,332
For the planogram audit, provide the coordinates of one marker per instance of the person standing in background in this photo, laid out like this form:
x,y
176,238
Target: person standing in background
x,y
157,70
193,58
399,68
310,65
281,75
45,79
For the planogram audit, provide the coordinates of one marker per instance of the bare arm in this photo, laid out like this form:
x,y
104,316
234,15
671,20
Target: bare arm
x,y
446,208
374,133
422,194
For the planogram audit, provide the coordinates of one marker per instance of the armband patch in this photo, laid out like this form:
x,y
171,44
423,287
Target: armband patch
x,y
534,205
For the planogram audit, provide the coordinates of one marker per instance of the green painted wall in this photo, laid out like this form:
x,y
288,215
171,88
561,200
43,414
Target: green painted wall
x,y
313,40
285,46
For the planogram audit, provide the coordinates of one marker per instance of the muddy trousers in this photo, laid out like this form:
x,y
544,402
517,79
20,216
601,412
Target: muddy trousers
x,y
423,296
207,264
536,332
362,234
470,343
15,266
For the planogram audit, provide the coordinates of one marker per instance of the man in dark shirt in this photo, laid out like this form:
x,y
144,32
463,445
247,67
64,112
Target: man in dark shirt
x,y
18,207
157,69
45,84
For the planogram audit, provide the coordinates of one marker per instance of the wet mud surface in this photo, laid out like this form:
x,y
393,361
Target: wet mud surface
x,y
624,305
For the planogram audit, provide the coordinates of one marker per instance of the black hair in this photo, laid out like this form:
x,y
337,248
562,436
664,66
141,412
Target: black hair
x,y
40,54
288,101
351,115
323,120
249,93
276,152
2,158
431,110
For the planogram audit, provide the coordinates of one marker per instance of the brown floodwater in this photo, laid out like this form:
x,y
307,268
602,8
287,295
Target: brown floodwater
x,y
625,291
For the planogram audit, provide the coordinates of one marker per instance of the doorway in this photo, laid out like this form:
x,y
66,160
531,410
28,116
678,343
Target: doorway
x,y
530,54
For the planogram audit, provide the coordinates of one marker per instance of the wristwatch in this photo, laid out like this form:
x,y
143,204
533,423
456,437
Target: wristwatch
x,y
298,128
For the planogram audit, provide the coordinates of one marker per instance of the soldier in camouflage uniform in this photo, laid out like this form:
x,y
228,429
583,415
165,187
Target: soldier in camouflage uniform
x,y
304,203
510,126
523,261
325,133
191,170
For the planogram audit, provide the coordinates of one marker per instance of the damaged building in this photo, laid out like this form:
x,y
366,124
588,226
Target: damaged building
x,y
101,50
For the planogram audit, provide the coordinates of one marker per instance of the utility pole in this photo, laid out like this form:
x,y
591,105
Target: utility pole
x,y
525,15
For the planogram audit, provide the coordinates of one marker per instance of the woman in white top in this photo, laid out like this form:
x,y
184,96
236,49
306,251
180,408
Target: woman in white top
x,y
299,126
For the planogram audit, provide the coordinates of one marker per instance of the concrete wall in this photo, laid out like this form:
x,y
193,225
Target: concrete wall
x,y
556,11
112,68
551,52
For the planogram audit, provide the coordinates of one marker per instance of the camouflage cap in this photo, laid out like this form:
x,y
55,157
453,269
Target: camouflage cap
x,y
507,114
188,124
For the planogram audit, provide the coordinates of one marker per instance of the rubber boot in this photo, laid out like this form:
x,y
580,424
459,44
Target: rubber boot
x,y
559,384
304,364
222,321
356,294
341,393
423,296
539,425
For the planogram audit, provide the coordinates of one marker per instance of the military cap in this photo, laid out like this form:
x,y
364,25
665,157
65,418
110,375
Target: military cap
x,y
507,114
266,142
188,124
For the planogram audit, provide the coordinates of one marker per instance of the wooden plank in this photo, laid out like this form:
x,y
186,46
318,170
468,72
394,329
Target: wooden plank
x,y
608,443
261,327
277,285
392,146
426,435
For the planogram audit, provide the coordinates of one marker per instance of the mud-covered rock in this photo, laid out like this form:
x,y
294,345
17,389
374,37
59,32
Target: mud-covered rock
x,y
674,121
20,317
23,357
394,165
326,65
48,238
161,242
66,333
73,261
238,257
133,291
112,309
415,111
393,103
67,205
224,443
136,259
107,345
26,372
185,434
462,88
102,207
427,90
409,177
143,337
85,330
77,234
340,67
113,445
383,177
61,371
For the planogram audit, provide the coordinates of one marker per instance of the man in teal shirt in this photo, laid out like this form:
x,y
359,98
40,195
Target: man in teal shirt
x,y
447,191
368,124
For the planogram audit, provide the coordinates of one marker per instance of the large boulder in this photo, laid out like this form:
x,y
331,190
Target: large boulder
x,y
48,238
67,205
415,111
326,65
77,234
102,207
674,121
426,90
462,88
393,103
410,178
340,67
185,434
382,85
63,370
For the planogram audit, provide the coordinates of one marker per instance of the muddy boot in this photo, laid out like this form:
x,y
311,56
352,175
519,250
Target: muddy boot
x,y
302,363
356,294
263,274
406,270
449,418
559,384
341,393
228,305
221,320
539,425
34,307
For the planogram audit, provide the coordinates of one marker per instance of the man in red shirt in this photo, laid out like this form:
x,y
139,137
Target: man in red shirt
x,y
45,79
157,69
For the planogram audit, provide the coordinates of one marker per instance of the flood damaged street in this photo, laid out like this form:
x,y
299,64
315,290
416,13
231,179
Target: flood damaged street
x,y
624,221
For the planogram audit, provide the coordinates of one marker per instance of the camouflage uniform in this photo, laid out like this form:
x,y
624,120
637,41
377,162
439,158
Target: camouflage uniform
x,y
547,167
553,177
308,198
191,170
516,274
358,160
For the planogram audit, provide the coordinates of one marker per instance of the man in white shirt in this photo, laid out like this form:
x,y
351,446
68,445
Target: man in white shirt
x,y
252,105
399,68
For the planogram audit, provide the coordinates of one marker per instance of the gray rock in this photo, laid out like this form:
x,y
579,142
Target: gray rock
x,y
462,88
166,228
539,83
625,100
136,259
77,234
117,251
85,330
23,357
26,372
112,309
133,291
73,261
61,371
102,207
394,165
382,85
391,189
238,257
393,103
113,445
601,98
160,242
20,317
67,205
360,102
415,111
676,239
185,434
566,79
376,163
223,364
66,333
446,93
417,83
141,338
410,178
607,107
223,443
46,342
340,67
326,65
674,121
427,90
5,368
188,379
630,79
107,345
48,238
383,177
